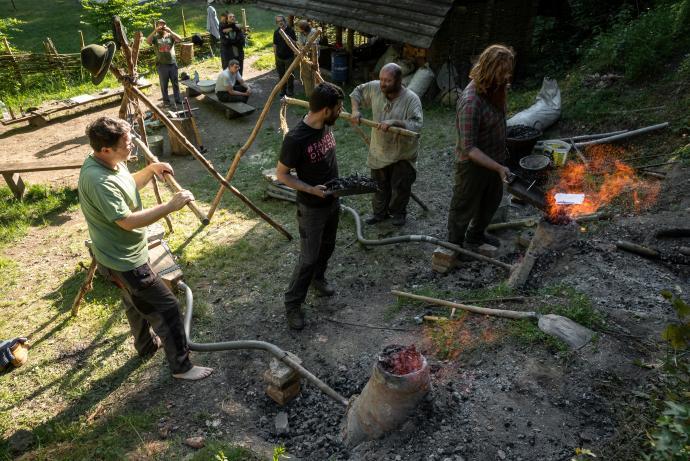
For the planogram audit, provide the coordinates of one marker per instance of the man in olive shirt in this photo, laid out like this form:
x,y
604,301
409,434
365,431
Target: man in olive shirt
x,y
392,158
163,41
109,198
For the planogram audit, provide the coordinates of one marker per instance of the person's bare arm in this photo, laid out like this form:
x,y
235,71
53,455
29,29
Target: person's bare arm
x,y
480,158
143,176
284,176
175,37
149,216
149,39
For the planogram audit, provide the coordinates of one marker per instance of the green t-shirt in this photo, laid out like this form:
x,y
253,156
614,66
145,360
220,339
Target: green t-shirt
x,y
106,196
165,49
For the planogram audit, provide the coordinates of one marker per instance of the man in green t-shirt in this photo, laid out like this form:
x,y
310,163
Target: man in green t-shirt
x,y
109,198
163,41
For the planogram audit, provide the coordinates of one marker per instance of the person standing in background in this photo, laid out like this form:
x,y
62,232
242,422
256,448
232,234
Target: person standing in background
x,y
212,25
306,71
163,41
283,54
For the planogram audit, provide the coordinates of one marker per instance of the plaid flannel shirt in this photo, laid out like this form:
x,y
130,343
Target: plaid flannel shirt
x,y
480,125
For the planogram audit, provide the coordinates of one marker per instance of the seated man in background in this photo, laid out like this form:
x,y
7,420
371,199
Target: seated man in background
x,y
230,87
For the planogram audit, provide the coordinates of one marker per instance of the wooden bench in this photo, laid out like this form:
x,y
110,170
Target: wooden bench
x,y
232,109
11,172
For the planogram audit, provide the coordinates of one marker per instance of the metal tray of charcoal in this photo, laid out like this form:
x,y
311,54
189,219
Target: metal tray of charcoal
x,y
351,185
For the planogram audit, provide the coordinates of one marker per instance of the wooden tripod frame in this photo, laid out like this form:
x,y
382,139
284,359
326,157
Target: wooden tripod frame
x,y
133,95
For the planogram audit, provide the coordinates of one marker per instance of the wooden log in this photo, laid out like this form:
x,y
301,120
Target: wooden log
x,y
546,237
240,153
363,121
675,232
637,249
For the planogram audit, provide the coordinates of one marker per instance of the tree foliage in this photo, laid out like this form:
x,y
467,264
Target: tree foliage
x,y
9,25
133,14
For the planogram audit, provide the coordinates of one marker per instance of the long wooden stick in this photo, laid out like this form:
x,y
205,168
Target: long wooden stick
x,y
259,123
170,181
135,51
85,287
363,121
476,309
145,142
190,147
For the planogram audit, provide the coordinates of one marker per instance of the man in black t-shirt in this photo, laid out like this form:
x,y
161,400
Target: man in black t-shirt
x,y
309,148
283,54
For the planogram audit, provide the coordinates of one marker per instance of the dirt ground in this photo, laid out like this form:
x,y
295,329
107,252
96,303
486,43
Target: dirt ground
x,y
497,399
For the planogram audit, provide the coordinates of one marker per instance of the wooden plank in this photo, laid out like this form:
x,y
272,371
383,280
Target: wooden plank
x,y
27,167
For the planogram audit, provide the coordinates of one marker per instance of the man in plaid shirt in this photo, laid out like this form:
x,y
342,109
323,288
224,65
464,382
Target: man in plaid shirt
x,y
481,150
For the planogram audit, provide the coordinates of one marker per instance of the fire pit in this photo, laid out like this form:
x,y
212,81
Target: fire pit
x,y
399,382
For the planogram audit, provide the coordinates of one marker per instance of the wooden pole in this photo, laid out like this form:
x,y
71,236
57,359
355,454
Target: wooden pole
x,y
338,35
85,288
135,51
14,60
170,181
136,94
81,37
190,147
184,24
245,26
260,121
363,121
466,307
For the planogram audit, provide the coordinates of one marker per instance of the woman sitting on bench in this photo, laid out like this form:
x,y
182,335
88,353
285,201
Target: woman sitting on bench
x,y
230,87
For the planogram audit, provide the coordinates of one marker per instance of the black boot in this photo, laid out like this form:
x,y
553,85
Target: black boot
x,y
295,317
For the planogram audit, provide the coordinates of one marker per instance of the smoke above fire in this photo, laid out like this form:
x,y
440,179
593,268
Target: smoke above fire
x,y
604,180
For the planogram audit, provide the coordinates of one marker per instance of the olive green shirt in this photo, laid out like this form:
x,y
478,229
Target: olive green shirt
x,y
165,49
106,196
388,148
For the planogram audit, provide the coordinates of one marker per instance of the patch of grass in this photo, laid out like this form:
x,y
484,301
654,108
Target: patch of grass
x,y
569,303
40,203
573,304
265,61
219,451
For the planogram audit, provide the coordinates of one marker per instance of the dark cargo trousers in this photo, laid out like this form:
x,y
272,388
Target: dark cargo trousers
x,y
168,73
318,227
477,194
282,66
395,188
149,304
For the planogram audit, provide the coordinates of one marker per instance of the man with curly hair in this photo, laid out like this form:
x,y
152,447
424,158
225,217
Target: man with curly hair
x,y
481,149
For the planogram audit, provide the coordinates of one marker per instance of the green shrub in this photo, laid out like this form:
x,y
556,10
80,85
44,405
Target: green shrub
x,y
670,438
635,47
133,14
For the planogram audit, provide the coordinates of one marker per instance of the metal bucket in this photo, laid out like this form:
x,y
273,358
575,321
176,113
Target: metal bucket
x,y
385,403
156,145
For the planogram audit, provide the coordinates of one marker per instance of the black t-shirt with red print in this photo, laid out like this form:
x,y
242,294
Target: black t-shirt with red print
x,y
312,153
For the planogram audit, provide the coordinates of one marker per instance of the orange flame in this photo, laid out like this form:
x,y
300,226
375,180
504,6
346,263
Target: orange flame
x,y
604,179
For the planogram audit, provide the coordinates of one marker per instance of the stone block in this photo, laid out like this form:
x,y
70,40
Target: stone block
x,y
281,396
278,373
